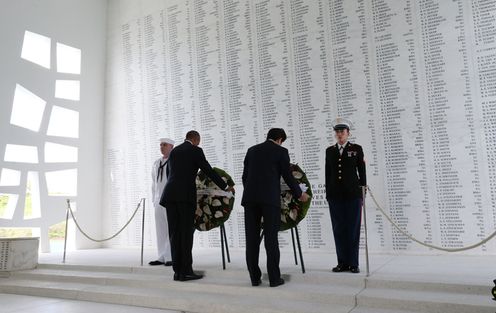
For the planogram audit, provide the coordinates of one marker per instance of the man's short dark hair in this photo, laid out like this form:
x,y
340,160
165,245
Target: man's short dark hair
x,y
276,134
192,135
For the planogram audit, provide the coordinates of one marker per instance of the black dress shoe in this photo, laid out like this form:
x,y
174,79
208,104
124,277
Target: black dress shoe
x,y
168,263
176,276
340,268
354,269
191,276
277,283
255,283
157,262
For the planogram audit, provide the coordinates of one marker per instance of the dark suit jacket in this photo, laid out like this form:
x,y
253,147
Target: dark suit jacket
x,y
183,164
344,173
264,165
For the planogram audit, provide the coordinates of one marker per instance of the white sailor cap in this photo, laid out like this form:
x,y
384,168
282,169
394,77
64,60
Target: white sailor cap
x,y
166,140
341,123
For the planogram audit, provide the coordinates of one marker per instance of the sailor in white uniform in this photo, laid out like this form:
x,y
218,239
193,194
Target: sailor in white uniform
x,y
159,178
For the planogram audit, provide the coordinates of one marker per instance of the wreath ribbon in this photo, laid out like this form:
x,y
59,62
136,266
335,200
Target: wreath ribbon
x,y
214,192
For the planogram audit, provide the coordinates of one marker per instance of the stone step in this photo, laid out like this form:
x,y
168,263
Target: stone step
x,y
425,301
427,284
213,282
182,300
230,291
359,309
314,277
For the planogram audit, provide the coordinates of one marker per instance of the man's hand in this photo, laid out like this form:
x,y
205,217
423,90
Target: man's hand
x,y
304,197
231,189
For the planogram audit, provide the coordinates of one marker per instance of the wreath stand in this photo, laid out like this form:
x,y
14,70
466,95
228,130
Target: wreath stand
x,y
293,231
224,245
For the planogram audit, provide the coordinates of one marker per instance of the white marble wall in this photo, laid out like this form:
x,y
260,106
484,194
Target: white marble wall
x,y
18,253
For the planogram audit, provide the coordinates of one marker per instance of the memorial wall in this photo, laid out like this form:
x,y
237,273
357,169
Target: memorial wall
x,y
417,78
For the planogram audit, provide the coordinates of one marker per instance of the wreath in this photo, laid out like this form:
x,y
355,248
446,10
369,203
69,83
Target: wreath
x,y
292,209
213,205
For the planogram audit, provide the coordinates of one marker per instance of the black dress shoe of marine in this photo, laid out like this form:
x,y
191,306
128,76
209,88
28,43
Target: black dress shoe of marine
x,y
168,263
157,262
340,268
176,276
277,283
354,269
255,283
191,276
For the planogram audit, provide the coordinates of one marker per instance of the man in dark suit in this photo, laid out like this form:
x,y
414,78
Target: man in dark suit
x,y
179,199
264,165
345,175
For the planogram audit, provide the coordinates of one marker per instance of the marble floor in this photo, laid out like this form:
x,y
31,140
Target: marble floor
x,y
27,304
442,268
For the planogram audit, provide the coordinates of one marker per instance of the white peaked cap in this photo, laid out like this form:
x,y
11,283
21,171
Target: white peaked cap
x,y
340,123
167,140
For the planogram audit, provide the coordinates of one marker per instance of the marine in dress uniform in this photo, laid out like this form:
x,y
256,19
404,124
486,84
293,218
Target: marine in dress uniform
x,y
345,174
179,198
159,178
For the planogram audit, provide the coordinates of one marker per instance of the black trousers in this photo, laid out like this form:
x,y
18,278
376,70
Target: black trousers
x,y
180,217
346,219
272,221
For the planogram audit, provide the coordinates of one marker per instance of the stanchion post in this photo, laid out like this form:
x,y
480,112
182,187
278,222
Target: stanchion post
x,y
364,193
65,232
143,200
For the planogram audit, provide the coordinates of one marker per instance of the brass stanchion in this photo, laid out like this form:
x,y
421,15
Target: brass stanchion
x,y
143,231
65,232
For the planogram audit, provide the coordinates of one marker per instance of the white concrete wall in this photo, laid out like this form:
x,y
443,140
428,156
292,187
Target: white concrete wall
x,y
80,24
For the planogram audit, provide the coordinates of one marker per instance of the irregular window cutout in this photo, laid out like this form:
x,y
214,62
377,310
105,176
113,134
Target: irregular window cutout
x,y
10,177
68,59
62,183
21,154
8,203
67,89
57,153
63,123
32,203
36,49
27,109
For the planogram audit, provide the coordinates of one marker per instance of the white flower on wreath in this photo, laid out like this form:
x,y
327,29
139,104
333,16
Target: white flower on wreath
x,y
203,227
206,209
293,214
283,218
198,211
216,202
287,198
225,200
219,214
297,175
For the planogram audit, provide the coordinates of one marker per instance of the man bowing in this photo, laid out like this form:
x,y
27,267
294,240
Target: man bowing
x,y
264,165
159,178
179,198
